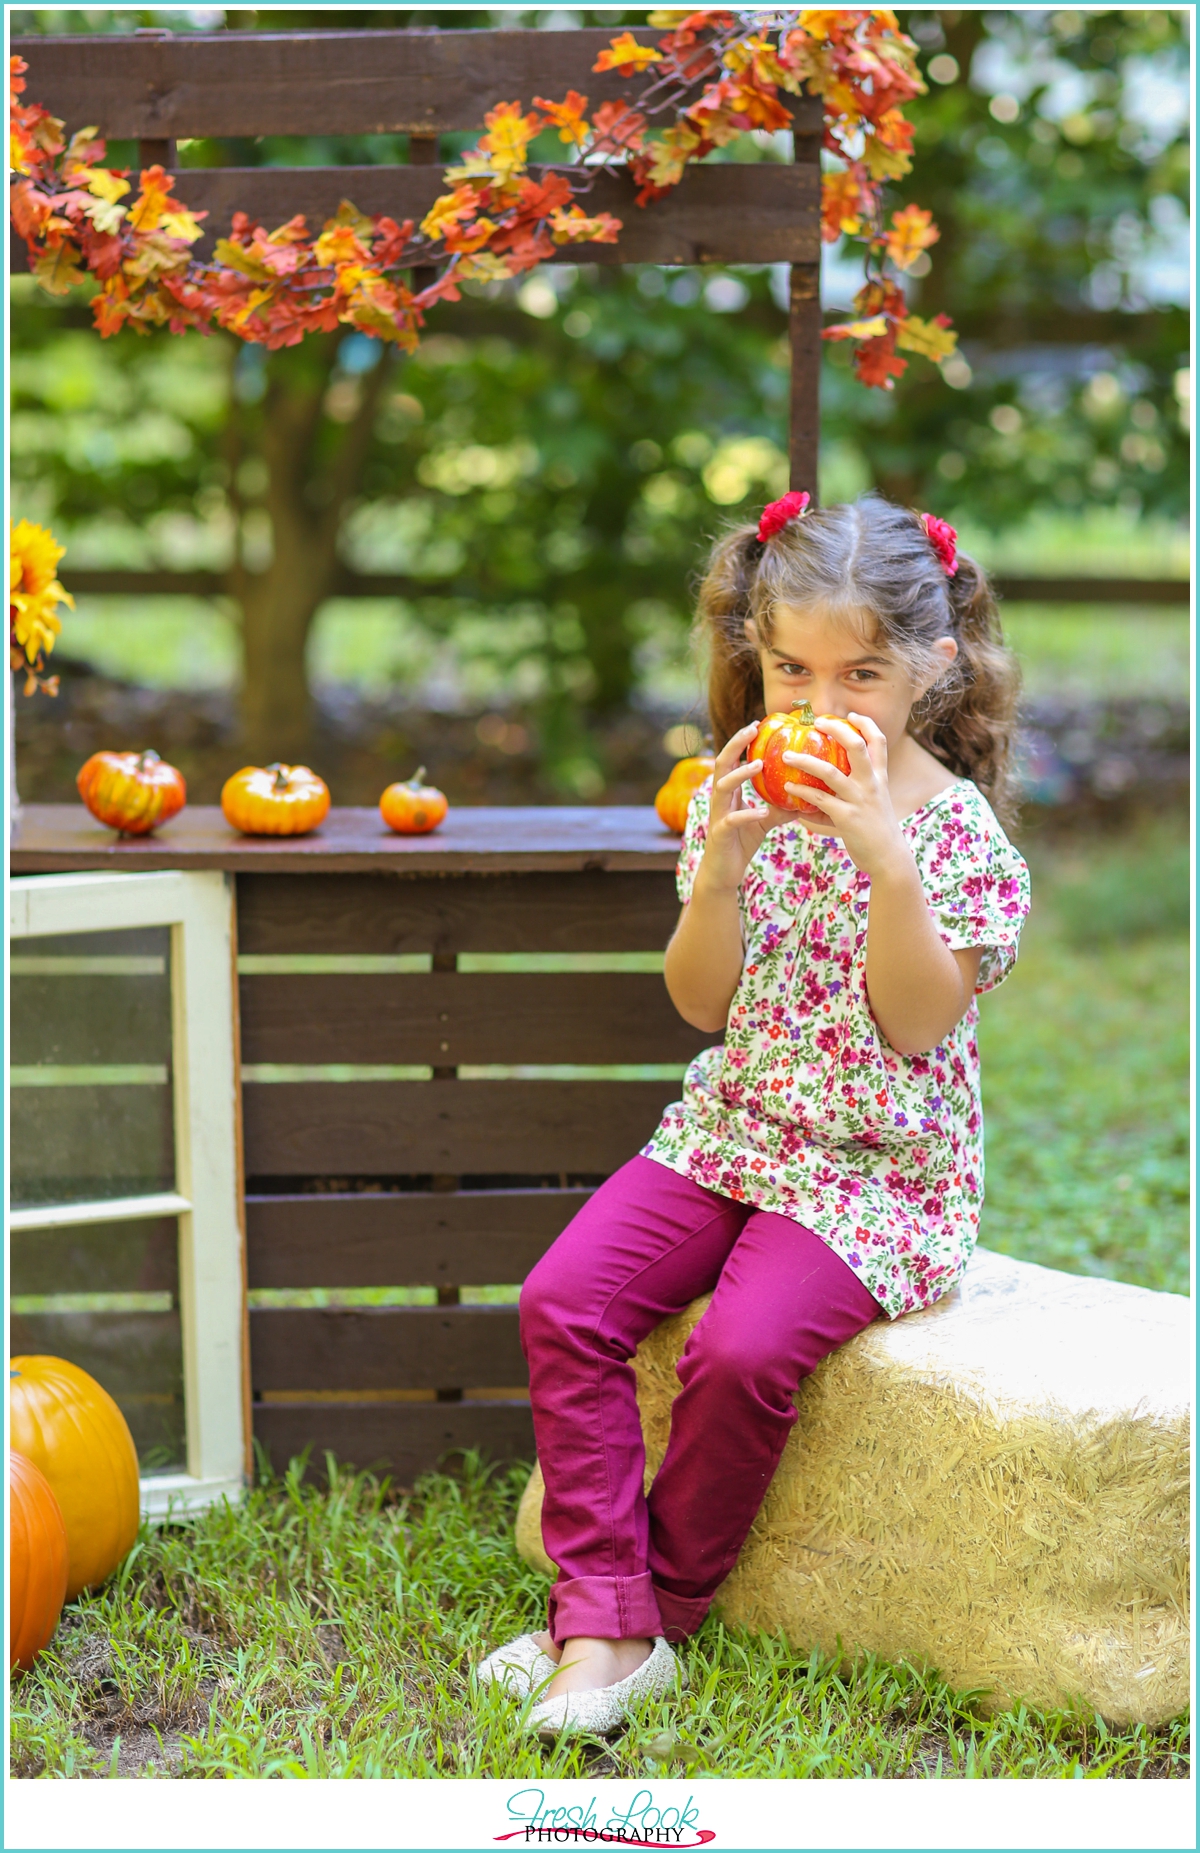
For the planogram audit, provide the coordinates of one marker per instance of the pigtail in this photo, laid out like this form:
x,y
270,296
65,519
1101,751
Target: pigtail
x,y
968,719
724,602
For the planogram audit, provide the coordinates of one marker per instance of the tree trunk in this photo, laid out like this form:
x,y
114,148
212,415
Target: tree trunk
x,y
309,482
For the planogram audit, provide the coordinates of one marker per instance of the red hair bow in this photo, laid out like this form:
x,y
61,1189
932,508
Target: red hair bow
x,y
942,538
776,515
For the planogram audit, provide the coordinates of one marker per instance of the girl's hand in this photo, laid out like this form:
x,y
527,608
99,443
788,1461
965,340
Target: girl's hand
x,y
736,828
860,808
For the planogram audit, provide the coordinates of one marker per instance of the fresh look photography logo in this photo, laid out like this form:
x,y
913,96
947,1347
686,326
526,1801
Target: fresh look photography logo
x,y
641,1822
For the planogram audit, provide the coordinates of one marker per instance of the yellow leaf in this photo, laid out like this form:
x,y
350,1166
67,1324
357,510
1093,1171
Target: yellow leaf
x,y
349,214
237,257
449,210
624,54
254,301
884,163
482,267
57,269
860,331
182,224
106,185
104,215
931,339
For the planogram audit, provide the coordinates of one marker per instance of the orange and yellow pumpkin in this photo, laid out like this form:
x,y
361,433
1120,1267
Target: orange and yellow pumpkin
x,y
685,777
71,1429
131,792
274,800
37,1561
412,808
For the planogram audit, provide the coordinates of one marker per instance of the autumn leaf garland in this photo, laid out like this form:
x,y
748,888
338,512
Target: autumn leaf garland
x,y
712,76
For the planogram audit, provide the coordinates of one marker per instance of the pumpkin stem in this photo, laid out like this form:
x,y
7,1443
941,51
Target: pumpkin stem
x,y
148,758
281,777
417,778
807,717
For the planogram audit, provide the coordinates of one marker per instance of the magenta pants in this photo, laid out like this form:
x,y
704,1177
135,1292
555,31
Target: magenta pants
x,y
648,1242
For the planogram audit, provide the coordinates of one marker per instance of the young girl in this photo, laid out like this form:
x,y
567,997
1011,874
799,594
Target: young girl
x,y
825,1164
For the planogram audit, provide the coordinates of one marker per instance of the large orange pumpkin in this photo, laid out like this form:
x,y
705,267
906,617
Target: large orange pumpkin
x,y
686,776
71,1429
274,800
788,733
37,1561
411,808
131,792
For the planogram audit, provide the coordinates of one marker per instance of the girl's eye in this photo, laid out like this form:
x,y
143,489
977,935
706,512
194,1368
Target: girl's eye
x,y
865,675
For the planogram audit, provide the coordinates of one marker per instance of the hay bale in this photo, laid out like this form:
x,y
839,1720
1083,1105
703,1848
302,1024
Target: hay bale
x,y
997,1488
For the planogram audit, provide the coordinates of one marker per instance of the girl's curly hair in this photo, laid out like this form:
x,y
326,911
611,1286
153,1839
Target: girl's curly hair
x,y
871,557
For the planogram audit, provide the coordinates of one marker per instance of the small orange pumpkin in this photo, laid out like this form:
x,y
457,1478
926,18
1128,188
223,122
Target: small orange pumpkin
x,y
37,1561
788,733
686,776
274,800
411,808
71,1429
131,792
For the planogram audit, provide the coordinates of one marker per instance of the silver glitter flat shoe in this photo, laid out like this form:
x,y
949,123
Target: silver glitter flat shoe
x,y
520,1667
599,1714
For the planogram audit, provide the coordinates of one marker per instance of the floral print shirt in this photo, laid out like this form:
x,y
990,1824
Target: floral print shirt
x,y
806,1110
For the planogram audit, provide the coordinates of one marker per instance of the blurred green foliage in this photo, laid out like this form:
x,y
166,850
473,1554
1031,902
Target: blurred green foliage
x,y
548,468
1129,890
1085,1065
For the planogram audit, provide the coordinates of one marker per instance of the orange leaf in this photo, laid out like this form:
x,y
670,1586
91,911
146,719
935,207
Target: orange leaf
x,y
913,231
567,117
625,55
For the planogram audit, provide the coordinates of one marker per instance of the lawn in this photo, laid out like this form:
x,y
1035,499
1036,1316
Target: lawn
x,y
327,1629
1085,1062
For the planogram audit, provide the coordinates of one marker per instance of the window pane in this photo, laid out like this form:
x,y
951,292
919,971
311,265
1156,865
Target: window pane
x,y
91,1112
105,1296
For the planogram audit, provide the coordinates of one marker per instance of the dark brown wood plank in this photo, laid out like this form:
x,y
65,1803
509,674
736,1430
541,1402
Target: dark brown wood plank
x,y
486,840
728,214
105,1257
586,911
470,1238
118,581
317,83
1086,591
385,1348
447,1018
473,1128
401,1439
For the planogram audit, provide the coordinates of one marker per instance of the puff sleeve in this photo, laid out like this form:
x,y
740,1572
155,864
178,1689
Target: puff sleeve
x,y
695,834
976,883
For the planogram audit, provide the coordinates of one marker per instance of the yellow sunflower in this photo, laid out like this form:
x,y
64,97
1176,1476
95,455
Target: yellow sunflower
x,y
33,595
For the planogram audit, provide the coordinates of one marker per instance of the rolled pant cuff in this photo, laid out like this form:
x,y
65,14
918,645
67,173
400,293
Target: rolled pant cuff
x,y
681,1615
605,1608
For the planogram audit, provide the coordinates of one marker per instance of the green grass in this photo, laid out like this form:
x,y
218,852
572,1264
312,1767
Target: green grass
x,y
1085,1066
328,1632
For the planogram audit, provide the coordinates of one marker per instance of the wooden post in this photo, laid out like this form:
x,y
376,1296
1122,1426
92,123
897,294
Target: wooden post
x,y
423,152
157,151
804,334
160,152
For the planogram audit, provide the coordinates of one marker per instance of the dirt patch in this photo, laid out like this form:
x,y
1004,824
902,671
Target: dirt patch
x,y
134,1728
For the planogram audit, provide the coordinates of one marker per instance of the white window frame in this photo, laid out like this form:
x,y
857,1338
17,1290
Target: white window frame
x,y
198,907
